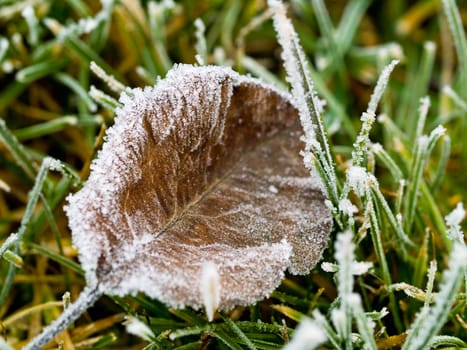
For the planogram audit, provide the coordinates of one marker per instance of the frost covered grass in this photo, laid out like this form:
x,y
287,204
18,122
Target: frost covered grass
x,y
381,88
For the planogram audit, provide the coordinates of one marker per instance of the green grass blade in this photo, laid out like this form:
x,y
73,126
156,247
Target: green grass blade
x,y
431,319
239,333
457,29
22,158
39,70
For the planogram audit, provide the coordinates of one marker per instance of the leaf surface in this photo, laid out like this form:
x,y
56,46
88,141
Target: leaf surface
x,y
203,167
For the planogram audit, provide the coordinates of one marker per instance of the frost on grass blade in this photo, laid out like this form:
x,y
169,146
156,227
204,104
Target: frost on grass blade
x,y
306,100
136,327
453,221
185,178
210,288
308,335
357,178
431,319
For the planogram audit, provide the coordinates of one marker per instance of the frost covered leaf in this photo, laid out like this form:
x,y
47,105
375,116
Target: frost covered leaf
x,y
185,178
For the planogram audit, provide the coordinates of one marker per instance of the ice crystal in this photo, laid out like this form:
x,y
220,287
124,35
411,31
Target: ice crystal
x,y
347,208
52,164
10,241
357,178
453,221
438,131
456,216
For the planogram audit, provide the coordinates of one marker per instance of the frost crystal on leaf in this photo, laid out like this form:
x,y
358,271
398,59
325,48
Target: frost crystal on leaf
x,y
204,166
438,131
273,189
376,147
52,164
347,208
357,178
453,221
456,216
8,242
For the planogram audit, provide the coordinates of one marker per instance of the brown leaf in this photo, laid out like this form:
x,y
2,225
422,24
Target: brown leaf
x,y
203,167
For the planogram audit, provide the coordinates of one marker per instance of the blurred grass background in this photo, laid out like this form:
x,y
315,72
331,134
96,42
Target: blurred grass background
x,y
45,52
